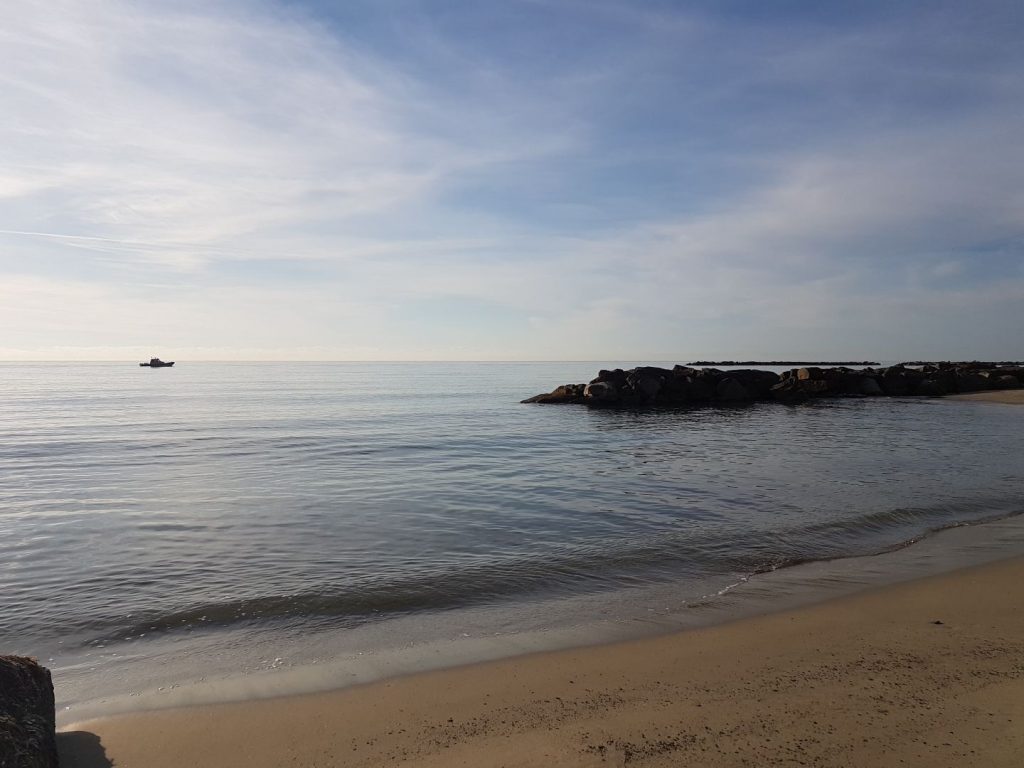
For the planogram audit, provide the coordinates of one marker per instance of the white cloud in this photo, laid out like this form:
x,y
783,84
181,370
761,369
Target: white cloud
x,y
177,129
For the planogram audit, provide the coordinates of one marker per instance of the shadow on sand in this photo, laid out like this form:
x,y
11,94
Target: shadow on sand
x,y
81,749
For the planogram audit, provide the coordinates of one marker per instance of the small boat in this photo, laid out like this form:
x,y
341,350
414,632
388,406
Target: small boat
x,y
156,362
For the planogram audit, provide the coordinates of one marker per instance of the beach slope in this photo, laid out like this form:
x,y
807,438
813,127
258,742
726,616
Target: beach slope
x,y
928,673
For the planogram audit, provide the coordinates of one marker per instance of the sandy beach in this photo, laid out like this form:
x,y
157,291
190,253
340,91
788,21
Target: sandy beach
x,y
925,673
1005,396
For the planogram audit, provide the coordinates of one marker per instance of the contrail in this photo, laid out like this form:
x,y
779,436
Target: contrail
x,y
69,237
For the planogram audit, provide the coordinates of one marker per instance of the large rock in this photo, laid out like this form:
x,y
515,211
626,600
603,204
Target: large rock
x,y
731,390
868,385
971,381
27,729
758,383
600,393
616,377
931,388
898,380
567,393
684,370
942,379
1006,381
650,370
701,388
647,389
810,374
794,390
1014,370
683,389
644,384
843,382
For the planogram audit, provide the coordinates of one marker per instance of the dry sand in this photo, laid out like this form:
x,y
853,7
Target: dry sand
x,y
1008,396
929,673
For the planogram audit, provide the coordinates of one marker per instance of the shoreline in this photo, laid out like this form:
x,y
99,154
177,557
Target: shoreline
x,y
926,670
1000,396
137,679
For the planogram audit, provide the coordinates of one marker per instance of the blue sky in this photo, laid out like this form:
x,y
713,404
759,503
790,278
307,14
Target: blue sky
x,y
404,179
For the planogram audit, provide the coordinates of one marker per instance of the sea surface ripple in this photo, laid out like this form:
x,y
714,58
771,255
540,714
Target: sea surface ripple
x,y
136,502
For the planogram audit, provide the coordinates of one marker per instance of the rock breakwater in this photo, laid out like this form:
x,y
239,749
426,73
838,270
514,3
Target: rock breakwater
x,y
650,386
780,363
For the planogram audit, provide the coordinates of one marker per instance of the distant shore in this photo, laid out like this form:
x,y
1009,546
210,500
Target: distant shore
x,y
923,673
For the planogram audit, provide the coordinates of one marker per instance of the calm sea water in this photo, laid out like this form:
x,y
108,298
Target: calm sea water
x,y
137,503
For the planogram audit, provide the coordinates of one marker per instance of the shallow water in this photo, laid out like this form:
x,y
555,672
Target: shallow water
x,y
207,499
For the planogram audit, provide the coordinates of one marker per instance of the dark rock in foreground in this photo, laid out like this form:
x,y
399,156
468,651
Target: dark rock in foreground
x,y
27,738
684,386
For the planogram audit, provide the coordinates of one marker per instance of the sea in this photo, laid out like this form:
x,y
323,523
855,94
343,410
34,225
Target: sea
x,y
227,530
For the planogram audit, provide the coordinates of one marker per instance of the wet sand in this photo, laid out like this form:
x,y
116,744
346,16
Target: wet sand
x,y
1006,396
927,673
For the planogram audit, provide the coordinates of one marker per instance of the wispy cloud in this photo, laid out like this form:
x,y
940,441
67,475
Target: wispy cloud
x,y
508,180
181,127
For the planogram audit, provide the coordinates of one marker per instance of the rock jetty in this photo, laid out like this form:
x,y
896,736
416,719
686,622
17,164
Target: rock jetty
x,y
27,727
682,385
780,363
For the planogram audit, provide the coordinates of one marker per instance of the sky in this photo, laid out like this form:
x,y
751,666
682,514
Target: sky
x,y
511,180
